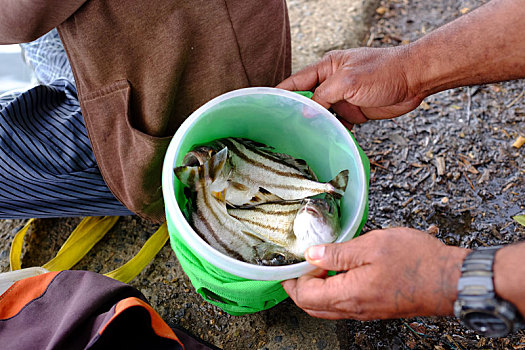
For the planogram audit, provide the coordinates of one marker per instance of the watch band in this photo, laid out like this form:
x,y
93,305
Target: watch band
x,y
477,305
476,273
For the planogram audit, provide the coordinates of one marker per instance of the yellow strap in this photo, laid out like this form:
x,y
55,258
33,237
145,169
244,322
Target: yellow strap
x,y
15,253
82,239
133,267
85,228
88,232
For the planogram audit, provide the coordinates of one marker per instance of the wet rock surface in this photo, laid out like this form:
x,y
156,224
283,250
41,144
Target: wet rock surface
x,y
448,167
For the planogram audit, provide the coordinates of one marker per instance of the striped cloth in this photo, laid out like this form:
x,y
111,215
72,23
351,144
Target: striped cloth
x,y
47,166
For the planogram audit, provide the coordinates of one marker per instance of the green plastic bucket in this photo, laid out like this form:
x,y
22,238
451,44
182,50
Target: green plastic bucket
x,y
291,123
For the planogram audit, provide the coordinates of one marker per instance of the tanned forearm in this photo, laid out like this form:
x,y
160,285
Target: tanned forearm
x,y
509,272
484,46
25,20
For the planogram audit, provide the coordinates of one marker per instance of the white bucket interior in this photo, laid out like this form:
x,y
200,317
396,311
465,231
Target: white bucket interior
x,y
290,123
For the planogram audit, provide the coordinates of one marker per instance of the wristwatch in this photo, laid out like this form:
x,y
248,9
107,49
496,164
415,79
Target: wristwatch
x,y
477,305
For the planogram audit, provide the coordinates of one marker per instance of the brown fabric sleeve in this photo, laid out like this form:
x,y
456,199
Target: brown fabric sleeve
x,y
141,68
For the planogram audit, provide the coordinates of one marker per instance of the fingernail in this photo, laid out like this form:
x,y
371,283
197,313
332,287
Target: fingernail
x,y
315,252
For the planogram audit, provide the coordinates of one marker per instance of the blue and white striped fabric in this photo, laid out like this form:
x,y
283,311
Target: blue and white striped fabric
x,y
47,166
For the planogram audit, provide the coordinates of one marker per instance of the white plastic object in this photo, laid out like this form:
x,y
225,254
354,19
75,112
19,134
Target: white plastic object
x,y
287,121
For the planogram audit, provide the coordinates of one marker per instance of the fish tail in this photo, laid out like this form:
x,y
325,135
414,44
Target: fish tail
x,y
339,183
206,173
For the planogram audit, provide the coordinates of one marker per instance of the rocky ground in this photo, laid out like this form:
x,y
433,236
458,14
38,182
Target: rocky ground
x,y
449,164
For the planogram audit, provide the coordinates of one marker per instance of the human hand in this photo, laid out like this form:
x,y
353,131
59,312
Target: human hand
x,y
391,273
360,84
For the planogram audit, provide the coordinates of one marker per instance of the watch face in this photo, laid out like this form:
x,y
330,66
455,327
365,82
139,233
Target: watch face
x,y
487,324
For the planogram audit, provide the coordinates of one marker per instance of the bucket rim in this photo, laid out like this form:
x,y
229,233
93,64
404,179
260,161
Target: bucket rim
x,y
203,249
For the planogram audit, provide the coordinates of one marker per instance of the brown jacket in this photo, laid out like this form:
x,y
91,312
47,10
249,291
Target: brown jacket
x,y
141,67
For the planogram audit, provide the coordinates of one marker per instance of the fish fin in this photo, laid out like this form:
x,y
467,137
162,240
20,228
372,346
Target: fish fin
x,y
298,164
190,206
207,173
188,175
254,144
246,231
221,196
217,164
243,198
339,183
263,196
305,169
238,194
237,186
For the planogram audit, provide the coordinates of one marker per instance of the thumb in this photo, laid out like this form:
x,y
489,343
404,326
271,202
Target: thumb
x,y
305,79
335,256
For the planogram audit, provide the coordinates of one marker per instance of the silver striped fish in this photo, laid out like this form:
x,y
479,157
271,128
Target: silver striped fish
x,y
209,217
259,175
294,225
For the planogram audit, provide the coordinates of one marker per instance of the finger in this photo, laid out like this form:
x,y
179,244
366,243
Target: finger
x,y
290,287
346,124
392,111
309,77
318,294
329,315
330,91
335,297
349,113
304,291
318,273
339,256
305,79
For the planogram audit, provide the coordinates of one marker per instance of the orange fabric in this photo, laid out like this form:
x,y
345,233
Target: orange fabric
x,y
22,292
157,323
